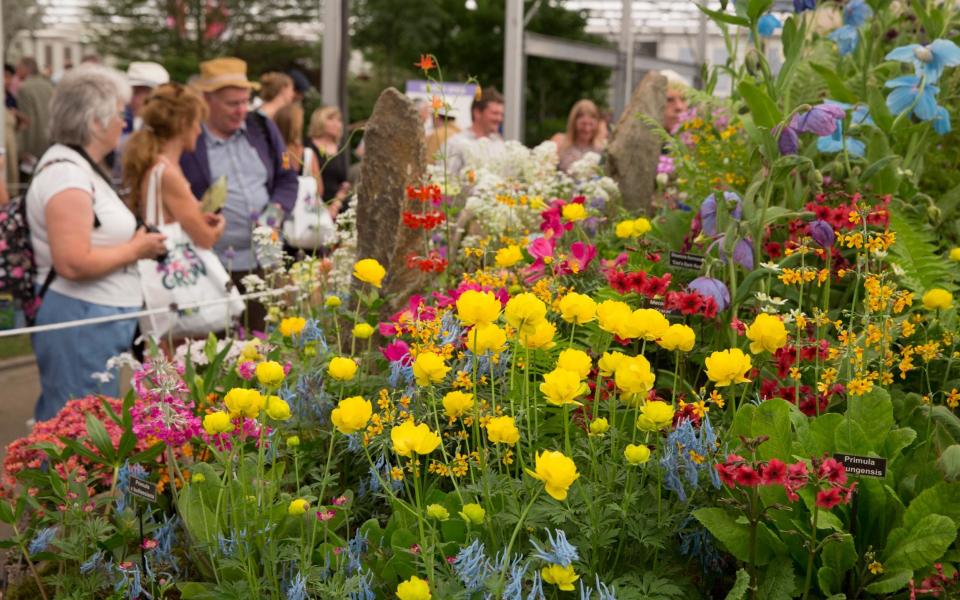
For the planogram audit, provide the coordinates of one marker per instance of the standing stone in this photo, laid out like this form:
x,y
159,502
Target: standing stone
x,y
634,150
394,159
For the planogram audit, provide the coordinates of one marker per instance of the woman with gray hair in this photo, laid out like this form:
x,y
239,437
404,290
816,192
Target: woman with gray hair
x,y
86,241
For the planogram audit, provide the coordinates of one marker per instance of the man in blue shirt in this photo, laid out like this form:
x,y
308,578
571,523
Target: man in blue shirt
x,y
248,149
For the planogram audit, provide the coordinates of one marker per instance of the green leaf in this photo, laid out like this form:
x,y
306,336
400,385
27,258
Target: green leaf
x,y
100,438
838,89
779,582
764,110
850,437
873,412
890,582
735,536
949,463
6,512
200,521
827,579
878,110
840,554
756,8
740,586
149,454
773,419
920,545
878,166
897,440
820,436
722,17
915,251
192,590
941,499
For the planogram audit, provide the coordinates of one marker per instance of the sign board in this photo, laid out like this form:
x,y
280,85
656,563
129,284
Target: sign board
x,y
681,260
658,304
458,96
143,489
864,466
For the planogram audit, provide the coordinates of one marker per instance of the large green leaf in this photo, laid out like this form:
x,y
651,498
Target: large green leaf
x,y
740,586
850,437
949,462
920,545
100,438
756,8
764,110
819,437
890,582
897,440
735,536
838,89
873,412
200,521
722,17
779,581
941,499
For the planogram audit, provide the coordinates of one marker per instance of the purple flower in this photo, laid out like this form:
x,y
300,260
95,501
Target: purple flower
x,y
801,5
743,254
789,141
708,211
821,119
716,289
822,233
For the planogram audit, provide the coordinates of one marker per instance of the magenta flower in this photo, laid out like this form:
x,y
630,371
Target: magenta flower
x,y
582,254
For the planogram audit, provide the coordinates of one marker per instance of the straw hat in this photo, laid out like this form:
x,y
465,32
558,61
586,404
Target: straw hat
x,y
223,72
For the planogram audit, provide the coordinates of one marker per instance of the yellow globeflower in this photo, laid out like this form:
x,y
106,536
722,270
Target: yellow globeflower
x,y
369,271
560,576
574,211
524,312
438,512
561,386
241,401
414,589
556,471
477,308
270,373
217,422
277,408
599,426
409,439
342,368
575,360
351,414
726,367
636,455
578,308
641,226
678,337
654,416
609,361
766,333
251,351
483,338
332,301
508,256
634,376
614,317
297,507
649,324
503,430
362,331
429,368
457,403
624,229
540,337
937,299
292,326
473,513
955,254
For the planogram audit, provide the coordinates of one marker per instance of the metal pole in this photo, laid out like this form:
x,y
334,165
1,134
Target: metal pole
x,y
702,39
626,46
332,45
513,67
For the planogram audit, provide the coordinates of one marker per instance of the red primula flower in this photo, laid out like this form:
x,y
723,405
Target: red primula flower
x,y
747,476
829,497
832,471
774,472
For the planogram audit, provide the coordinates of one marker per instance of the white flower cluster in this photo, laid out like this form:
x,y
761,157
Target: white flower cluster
x,y
346,253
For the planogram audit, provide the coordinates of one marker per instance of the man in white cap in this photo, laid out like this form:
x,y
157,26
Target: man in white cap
x,y
143,77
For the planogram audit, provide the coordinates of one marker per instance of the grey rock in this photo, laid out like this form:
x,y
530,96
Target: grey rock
x,y
634,150
394,159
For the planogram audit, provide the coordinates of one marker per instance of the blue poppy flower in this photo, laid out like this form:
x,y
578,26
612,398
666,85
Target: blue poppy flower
x,y
833,143
821,119
856,13
908,92
767,25
801,5
941,121
928,60
847,37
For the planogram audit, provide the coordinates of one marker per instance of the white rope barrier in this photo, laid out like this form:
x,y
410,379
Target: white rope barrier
x,y
142,313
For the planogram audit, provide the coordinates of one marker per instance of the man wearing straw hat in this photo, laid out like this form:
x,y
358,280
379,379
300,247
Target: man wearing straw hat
x,y
247,149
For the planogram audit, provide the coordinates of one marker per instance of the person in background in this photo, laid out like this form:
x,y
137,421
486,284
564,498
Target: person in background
x,y
301,85
143,77
276,91
425,112
444,128
246,148
171,115
33,100
10,173
487,114
85,240
676,103
582,135
9,83
324,136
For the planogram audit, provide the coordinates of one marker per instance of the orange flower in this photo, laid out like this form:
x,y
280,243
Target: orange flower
x,y
436,103
426,62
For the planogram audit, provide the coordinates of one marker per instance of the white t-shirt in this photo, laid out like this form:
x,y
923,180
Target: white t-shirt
x,y
117,225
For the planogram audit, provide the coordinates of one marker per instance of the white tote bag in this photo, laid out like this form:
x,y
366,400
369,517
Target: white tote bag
x,y
187,276
309,225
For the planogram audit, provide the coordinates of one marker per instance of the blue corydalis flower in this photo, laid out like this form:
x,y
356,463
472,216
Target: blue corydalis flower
x,y
909,91
472,566
561,551
929,61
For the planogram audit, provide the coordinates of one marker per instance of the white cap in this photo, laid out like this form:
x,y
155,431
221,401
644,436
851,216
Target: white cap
x,y
147,74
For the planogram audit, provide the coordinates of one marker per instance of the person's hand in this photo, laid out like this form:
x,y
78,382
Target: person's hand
x,y
148,245
333,208
344,190
216,222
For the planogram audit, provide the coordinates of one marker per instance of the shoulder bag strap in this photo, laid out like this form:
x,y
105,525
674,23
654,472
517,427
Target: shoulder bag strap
x,y
52,273
154,208
307,162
